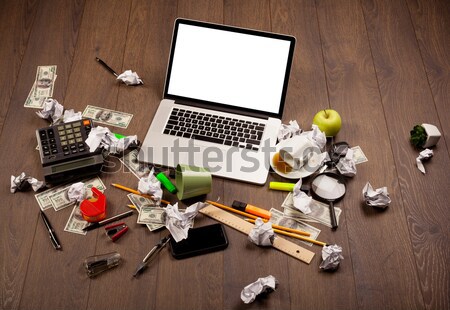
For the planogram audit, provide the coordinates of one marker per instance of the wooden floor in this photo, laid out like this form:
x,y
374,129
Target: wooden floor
x,y
384,65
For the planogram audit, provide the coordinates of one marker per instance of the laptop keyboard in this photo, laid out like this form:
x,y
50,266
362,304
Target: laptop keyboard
x,y
214,128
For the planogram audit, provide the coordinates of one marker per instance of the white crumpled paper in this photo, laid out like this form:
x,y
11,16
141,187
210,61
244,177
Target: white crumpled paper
x,y
22,183
102,137
178,223
262,233
52,111
130,78
376,198
332,256
346,164
424,155
260,286
301,200
150,185
71,116
316,136
76,192
289,131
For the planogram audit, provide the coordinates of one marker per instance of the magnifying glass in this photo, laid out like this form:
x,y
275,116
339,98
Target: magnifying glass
x,y
329,187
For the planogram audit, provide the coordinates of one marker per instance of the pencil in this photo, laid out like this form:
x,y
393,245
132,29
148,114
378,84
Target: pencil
x,y
137,192
231,209
295,231
293,235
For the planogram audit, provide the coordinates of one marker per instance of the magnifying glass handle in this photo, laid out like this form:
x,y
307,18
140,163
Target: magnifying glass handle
x,y
334,224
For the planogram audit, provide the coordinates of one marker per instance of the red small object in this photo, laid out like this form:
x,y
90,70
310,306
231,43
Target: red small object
x,y
94,209
115,231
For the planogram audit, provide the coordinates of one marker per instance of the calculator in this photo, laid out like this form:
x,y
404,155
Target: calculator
x,y
65,154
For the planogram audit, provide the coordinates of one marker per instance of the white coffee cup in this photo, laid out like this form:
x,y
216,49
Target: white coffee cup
x,y
296,151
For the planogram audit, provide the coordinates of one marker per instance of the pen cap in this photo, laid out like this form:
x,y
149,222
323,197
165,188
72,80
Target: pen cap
x,y
166,182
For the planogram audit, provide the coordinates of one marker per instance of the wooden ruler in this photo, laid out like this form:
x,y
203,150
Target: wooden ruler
x,y
245,227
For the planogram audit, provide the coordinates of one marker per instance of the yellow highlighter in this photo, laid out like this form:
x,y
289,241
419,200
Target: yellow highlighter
x,y
282,186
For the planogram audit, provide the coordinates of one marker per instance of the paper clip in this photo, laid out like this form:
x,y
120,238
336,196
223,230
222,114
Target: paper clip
x,y
115,231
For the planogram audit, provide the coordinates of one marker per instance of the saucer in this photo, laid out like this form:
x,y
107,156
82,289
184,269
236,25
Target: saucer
x,y
309,168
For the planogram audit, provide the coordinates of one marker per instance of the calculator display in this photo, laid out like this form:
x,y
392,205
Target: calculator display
x,y
72,165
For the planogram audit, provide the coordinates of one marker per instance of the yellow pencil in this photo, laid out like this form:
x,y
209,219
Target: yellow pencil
x,y
295,231
293,235
137,192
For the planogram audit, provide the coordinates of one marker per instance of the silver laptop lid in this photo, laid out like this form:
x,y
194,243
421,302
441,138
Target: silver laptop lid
x,y
228,68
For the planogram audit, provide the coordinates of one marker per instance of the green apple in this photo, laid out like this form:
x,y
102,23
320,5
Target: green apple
x,y
329,121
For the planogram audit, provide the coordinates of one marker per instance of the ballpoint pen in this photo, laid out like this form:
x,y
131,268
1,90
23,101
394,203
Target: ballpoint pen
x,y
108,220
153,252
51,232
106,66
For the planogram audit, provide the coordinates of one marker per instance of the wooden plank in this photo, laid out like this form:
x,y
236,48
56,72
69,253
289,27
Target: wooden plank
x,y
383,266
307,94
16,20
431,24
26,250
197,282
408,100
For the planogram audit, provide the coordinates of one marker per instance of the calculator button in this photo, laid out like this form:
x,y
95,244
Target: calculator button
x,y
42,134
77,124
53,146
76,129
86,122
63,143
66,153
70,136
50,133
52,140
68,126
65,148
61,127
81,144
46,153
73,147
63,138
54,151
74,151
81,149
71,141
61,133
69,131
79,139
45,147
44,142
78,135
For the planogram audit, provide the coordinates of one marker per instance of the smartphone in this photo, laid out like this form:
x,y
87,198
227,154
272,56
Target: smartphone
x,y
200,240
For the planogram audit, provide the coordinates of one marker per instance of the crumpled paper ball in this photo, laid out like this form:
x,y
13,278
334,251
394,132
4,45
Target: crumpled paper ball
x,y
262,233
332,256
261,286
376,198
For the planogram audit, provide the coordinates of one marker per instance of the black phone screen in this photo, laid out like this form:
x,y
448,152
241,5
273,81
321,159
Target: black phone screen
x,y
200,240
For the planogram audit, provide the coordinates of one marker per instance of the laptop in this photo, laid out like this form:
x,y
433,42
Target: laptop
x,y
223,100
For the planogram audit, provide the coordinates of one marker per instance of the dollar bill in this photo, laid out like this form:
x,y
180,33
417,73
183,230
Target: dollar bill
x,y
45,79
34,102
43,198
139,169
279,218
139,202
151,215
320,212
60,198
358,155
108,117
76,223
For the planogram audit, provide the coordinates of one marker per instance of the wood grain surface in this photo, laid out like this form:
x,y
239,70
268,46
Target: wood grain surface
x,y
383,65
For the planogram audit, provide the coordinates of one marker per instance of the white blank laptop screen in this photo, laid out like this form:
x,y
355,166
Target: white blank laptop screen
x,y
230,68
